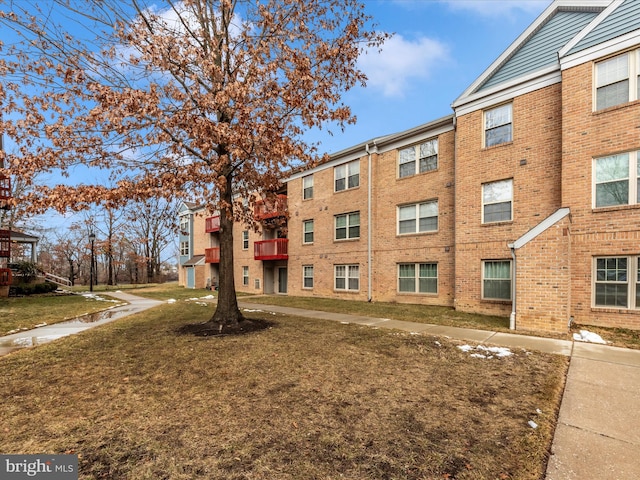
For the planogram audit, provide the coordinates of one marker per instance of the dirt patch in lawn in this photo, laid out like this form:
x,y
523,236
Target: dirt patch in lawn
x,y
303,399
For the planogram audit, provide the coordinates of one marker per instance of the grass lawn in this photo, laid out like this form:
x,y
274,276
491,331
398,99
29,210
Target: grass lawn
x,y
304,399
27,312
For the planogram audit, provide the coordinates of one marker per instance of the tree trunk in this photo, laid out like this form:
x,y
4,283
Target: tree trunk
x,y
227,311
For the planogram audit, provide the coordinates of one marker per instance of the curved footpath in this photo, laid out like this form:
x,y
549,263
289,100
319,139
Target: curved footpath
x,y
598,431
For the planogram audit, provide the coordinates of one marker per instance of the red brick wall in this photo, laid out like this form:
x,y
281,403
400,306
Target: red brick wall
x,y
532,160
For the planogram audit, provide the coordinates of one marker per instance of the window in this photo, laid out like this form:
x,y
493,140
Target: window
x,y
184,225
617,80
245,240
184,249
347,277
347,176
497,126
616,180
496,280
418,277
307,187
245,276
418,217
348,226
418,159
307,276
307,231
497,199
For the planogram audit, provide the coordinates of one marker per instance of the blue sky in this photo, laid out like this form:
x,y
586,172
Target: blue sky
x,y
440,47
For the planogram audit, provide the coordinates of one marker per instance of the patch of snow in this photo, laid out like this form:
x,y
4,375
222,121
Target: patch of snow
x,y
499,352
252,310
587,336
208,297
532,424
171,300
204,304
43,324
438,343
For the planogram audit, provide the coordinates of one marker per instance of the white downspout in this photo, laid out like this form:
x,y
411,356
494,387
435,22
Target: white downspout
x,y
512,317
369,227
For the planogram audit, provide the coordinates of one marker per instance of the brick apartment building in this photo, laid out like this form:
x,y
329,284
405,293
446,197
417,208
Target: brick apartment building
x,y
525,202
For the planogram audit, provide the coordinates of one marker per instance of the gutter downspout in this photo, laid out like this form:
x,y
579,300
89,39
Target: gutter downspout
x,y
369,226
512,317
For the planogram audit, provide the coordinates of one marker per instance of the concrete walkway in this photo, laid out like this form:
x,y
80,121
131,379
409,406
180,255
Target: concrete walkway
x,y
40,335
598,431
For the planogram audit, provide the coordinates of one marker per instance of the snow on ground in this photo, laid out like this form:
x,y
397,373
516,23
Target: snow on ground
x,y
480,351
587,336
171,300
93,296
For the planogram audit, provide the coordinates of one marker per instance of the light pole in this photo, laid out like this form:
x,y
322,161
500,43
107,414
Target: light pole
x,y
92,238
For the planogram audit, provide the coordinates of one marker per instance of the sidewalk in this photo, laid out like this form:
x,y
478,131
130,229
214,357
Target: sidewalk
x,y
40,335
598,431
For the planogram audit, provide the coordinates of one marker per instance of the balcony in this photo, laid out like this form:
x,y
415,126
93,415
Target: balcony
x,y
212,255
277,249
270,208
5,191
5,243
212,224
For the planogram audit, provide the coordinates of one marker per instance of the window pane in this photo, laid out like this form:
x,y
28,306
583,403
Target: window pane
x,y
407,155
500,269
428,285
615,167
354,180
341,233
612,70
611,295
407,285
498,289
407,271
429,149
340,270
341,184
407,226
341,221
308,282
429,209
407,169
428,163
497,191
496,136
354,232
340,283
428,270
497,212
611,95
428,224
497,116
407,212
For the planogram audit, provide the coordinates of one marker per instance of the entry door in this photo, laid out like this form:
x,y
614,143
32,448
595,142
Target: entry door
x,y
191,277
282,280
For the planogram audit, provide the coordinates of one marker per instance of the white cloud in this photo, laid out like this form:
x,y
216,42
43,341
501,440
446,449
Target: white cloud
x,y
401,62
497,8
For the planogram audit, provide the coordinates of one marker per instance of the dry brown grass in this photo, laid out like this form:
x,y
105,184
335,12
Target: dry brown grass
x,y
304,399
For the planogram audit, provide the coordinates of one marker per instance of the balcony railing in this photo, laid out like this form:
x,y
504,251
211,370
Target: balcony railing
x,y
212,255
5,191
212,224
5,244
277,249
270,208
5,277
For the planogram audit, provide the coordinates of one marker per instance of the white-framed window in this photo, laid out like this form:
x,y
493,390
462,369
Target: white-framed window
x,y
184,249
418,277
497,201
418,217
184,224
496,279
307,187
307,276
307,231
498,125
347,277
418,158
616,180
616,282
347,226
616,80
245,276
346,176
245,239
